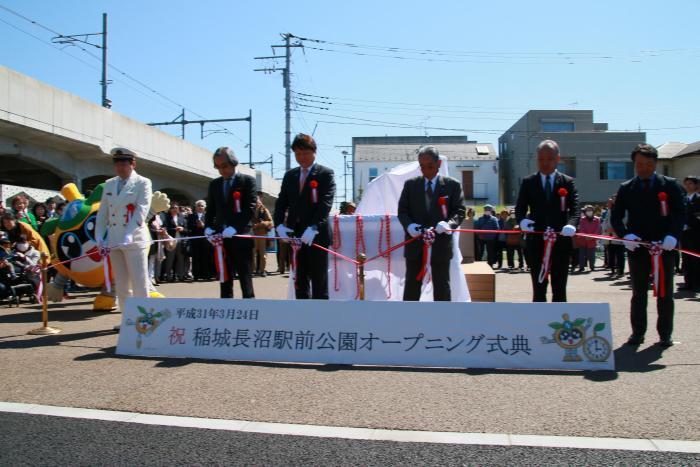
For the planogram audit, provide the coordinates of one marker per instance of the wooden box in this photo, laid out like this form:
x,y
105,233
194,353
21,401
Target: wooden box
x,y
481,281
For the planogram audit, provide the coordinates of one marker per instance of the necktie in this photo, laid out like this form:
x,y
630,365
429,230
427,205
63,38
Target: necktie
x,y
227,188
302,179
429,190
547,188
120,185
645,184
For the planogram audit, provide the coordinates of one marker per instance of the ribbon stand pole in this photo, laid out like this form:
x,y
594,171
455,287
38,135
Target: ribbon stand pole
x,y
45,329
361,258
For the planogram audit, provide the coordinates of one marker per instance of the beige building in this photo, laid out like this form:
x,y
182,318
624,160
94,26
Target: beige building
x,y
597,158
679,160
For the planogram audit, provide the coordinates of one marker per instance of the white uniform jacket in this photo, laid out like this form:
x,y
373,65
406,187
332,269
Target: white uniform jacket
x,y
122,217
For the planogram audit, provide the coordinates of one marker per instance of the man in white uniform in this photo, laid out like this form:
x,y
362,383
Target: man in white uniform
x,y
121,221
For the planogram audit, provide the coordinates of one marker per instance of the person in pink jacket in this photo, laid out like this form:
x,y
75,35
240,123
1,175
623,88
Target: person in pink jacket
x,y
588,224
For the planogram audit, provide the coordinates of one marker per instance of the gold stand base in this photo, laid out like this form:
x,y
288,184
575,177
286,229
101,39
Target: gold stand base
x,y
44,331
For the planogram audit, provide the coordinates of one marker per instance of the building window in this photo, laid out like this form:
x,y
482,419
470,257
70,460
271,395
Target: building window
x,y
554,127
373,173
666,171
567,165
617,170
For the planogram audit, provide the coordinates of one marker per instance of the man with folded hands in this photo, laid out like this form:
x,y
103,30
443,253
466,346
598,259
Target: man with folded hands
x,y
230,206
548,199
649,208
306,198
430,202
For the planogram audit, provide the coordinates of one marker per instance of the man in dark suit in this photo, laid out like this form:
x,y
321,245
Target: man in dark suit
x,y
548,198
653,205
230,206
434,202
690,238
306,198
200,248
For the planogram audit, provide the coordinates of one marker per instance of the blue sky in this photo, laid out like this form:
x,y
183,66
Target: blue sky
x,y
636,64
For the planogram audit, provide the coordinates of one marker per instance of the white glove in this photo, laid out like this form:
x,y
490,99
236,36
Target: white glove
x,y
628,244
283,231
443,227
669,243
308,236
414,230
527,225
228,232
208,232
568,231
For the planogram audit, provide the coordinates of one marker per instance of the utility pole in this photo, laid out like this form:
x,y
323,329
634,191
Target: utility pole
x,y
85,39
287,84
105,102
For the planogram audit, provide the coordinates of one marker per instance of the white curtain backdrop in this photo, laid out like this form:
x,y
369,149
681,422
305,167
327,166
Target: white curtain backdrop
x,y
379,201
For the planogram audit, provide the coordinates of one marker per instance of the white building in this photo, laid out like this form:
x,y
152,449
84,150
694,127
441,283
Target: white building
x,y
474,165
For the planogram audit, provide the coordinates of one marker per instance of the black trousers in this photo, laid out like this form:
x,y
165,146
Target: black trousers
x,y
490,247
690,240
559,270
239,260
202,258
311,274
616,257
440,276
500,247
640,268
510,254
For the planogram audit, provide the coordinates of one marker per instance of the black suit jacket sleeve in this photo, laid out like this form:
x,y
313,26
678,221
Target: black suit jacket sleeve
x,y
521,205
404,209
456,210
211,206
282,203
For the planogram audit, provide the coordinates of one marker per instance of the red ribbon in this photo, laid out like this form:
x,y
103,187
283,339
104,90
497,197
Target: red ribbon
x,y
386,253
360,247
657,270
428,239
295,243
549,236
337,243
219,257
107,267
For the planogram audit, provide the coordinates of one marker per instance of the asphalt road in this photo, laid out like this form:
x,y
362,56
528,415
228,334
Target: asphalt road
x,y
652,394
42,440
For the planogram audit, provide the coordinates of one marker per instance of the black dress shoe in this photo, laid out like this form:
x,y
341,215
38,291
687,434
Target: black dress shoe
x,y
666,343
635,340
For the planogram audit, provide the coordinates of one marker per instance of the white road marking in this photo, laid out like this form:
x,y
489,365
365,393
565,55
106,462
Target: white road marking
x,y
491,439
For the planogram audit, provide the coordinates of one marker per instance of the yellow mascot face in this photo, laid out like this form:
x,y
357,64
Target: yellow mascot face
x,y
74,251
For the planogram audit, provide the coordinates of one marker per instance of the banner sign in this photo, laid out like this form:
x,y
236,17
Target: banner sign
x,y
564,336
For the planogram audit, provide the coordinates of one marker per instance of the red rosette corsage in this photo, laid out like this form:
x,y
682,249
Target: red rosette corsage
x,y
563,192
130,208
237,201
314,192
663,201
442,202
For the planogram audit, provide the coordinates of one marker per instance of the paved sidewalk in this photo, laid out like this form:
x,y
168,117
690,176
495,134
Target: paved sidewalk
x,y
653,394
